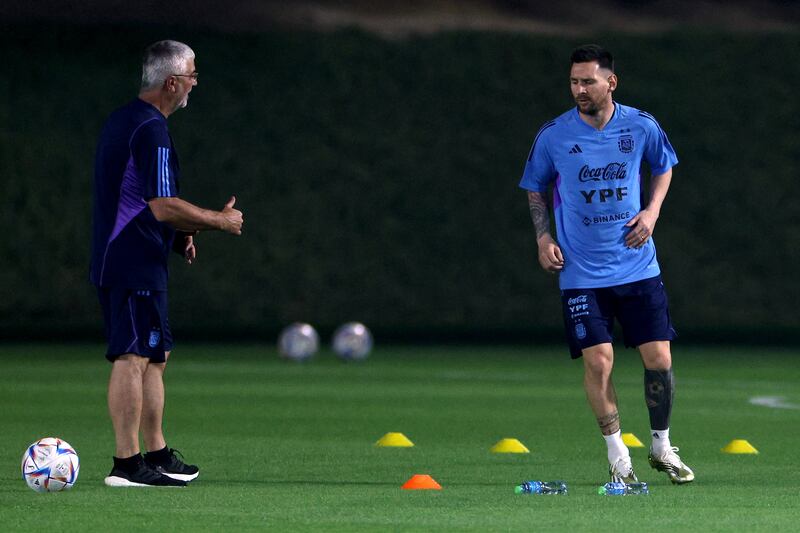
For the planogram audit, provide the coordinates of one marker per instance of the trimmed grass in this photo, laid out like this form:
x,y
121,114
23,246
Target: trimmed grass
x,y
290,446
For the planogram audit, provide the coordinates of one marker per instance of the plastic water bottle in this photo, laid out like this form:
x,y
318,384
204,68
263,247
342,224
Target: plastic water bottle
x,y
541,487
623,489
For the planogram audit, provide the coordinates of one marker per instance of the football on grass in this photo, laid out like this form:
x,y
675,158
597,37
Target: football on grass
x,y
298,341
352,341
50,465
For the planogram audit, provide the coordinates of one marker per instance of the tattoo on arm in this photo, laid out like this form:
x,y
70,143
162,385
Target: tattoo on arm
x,y
609,423
537,203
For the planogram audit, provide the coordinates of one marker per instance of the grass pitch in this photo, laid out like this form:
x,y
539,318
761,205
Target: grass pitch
x,y
290,446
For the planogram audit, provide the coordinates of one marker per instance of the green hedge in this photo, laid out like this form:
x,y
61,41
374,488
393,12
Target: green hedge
x,y
379,179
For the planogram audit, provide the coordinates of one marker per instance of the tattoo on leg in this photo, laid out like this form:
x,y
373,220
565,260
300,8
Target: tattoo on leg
x,y
609,423
659,390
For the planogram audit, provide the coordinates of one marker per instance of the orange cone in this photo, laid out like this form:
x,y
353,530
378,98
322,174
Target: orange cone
x,y
421,482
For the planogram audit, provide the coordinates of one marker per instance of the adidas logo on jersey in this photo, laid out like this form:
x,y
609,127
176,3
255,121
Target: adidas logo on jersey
x,y
576,150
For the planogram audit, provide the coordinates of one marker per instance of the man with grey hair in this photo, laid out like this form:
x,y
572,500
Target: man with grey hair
x,y
138,218
161,60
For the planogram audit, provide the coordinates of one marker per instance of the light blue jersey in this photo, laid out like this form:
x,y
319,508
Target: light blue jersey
x,y
597,189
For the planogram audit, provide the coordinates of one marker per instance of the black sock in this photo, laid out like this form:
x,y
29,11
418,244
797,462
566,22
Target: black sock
x,y
659,390
128,464
159,456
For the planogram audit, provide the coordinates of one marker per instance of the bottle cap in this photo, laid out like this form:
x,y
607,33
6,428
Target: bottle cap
x,y
601,490
518,489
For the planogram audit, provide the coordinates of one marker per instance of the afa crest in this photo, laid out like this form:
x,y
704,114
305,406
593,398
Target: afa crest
x,y
580,330
155,337
626,144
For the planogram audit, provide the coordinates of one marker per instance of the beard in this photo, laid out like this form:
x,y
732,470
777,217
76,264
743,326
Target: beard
x,y
180,104
587,107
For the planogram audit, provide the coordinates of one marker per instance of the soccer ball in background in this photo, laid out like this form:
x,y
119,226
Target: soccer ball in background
x,y
50,465
352,341
298,341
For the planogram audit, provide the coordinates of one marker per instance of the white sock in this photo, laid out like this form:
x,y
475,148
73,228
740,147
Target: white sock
x,y
616,448
660,441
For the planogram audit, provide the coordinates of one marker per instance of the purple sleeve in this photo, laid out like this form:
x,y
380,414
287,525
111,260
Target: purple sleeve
x,y
154,158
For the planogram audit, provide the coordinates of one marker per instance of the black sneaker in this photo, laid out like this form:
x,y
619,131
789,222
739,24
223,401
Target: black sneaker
x,y
173,466
143,476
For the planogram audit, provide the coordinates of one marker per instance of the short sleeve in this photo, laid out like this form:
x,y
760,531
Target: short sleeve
x,y
658,151
539,168
155,160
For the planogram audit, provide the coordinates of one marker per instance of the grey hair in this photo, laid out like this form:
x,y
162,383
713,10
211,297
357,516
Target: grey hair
x,y
163,59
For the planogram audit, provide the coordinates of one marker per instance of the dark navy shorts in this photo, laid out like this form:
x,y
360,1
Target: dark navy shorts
x,y
640,307
136,322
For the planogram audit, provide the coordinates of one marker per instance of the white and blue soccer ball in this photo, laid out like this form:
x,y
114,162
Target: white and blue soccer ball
x,y
298,341
50,465
352,341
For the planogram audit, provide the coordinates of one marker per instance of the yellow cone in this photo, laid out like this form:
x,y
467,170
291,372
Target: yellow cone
x,y
631,441
397,440
739,446
509,446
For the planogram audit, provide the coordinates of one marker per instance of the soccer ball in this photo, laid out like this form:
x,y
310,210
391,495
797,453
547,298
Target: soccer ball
x,y
352,341
298,341
50,465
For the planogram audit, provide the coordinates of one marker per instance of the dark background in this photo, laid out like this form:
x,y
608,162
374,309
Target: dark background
x,y
376,155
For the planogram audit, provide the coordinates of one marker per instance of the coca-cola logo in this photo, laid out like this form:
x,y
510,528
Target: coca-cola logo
x,y
612,171
578,300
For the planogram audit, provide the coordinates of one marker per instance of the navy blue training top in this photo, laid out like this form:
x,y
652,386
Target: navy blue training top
x,y
135,162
